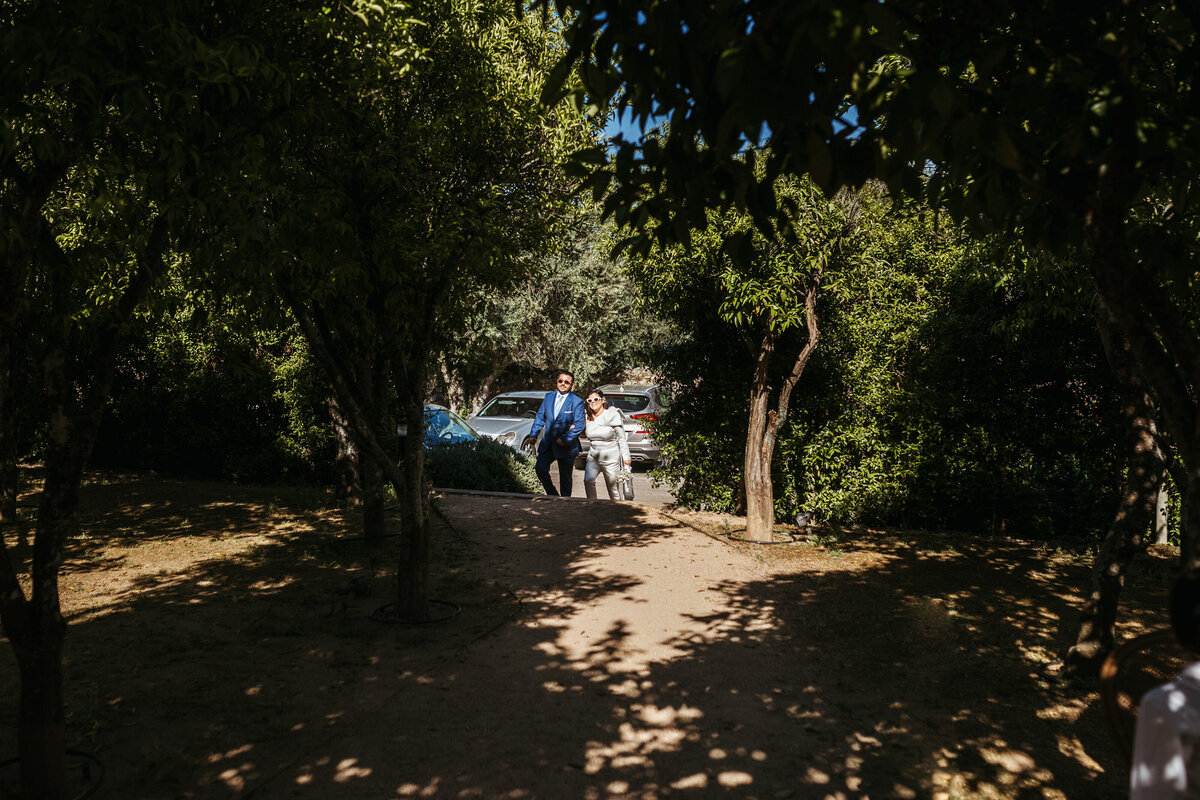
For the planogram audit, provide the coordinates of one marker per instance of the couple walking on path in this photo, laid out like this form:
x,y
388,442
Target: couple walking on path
x,y
564,417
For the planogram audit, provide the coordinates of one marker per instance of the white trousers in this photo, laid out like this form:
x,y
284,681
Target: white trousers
x,y
605,458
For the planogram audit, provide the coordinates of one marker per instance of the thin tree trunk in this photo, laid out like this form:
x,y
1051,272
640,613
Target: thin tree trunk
x,y
1161,505
35,631
412,573
1166,356
373,373
75,402
1190,532
760,444
358,401
765,422
412,358
41,719
1145,466
374,518
36,627
9,474
452,387
11,292
760,447
482,393
346,457
1158,325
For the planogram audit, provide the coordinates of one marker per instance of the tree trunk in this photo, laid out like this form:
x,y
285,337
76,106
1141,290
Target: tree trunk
x,y
1145,467
482,392
359,399
35,630
374,374
765,423
412,572
36,627
374,519
760,491
1190,529
9,474
1168,355
41,726
346,457
1161,506
453,389
77,385
1158,323
41,720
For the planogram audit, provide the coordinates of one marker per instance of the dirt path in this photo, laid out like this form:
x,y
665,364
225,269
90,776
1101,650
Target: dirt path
x,y
602,651
570,699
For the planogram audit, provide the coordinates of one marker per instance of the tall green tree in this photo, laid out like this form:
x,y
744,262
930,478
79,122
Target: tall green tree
x,y
1059,124
764,288
115,123
941,395
1147,457
421,161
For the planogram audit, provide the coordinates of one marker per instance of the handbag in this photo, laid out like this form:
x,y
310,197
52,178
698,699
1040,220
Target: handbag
x,y
627,488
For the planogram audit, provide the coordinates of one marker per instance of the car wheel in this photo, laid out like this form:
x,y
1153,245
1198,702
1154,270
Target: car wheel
x,y
529,448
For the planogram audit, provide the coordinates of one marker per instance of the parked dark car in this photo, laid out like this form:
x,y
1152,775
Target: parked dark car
x,y
640,406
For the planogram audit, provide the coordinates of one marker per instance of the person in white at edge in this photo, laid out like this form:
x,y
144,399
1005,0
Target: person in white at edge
x,y
608,449
1166,743
561,414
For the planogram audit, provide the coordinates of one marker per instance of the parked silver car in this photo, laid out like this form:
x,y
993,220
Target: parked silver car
x,y
508,417
640,406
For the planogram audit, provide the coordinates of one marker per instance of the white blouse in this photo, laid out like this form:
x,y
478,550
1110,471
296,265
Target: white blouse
x,y
1166,745
606,430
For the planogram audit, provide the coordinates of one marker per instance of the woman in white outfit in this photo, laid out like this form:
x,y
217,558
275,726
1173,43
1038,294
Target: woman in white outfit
x,y
607,449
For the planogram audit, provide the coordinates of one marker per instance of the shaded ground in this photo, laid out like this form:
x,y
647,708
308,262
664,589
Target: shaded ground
x,y
602,651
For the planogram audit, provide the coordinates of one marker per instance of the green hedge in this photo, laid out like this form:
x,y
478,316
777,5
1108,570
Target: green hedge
x,y
483,465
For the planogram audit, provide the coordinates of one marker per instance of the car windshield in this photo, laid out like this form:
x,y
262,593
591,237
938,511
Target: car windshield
x,y
445,426
629,403
517,407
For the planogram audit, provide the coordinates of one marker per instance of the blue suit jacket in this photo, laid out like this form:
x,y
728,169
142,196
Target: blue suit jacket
x,y
566,426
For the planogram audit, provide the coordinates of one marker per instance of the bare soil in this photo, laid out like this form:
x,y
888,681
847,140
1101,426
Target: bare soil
x,y
590,650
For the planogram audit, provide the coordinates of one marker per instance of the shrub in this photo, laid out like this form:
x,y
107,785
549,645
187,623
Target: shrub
x,y
483,465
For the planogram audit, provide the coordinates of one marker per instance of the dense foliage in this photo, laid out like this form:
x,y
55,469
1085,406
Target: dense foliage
x,y
483,465
941,396
1076,130
202,397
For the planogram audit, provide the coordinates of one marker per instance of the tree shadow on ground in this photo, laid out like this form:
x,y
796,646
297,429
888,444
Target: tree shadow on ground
x,y
573,669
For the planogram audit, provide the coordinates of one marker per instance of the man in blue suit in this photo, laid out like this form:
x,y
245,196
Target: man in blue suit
x,y
561,415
